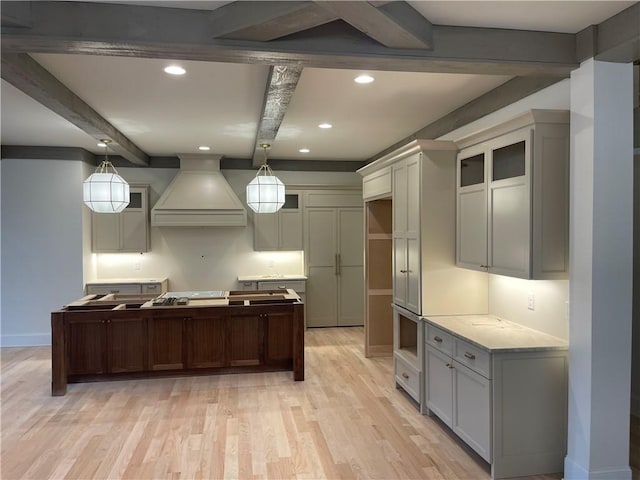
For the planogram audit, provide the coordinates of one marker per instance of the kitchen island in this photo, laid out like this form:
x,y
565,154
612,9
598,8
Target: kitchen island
x,y
110,337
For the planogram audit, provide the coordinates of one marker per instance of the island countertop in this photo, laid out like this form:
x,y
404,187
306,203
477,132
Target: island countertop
x,y
495,334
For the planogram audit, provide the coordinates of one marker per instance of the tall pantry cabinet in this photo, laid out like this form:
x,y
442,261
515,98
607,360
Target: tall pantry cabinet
x,y
420,180
333,250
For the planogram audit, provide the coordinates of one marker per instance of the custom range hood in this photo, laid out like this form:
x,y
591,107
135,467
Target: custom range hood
x,y
199,196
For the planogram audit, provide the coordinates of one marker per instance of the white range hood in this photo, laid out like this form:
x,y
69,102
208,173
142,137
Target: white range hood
x,y
199,196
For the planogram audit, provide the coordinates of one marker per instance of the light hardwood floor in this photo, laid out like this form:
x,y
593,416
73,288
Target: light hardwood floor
x,y
346,420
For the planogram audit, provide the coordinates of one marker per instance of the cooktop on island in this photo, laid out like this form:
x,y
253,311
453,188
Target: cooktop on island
x,y
192,295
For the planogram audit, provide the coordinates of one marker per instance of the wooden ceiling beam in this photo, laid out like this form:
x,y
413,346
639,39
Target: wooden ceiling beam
x,y
27,75
154,32
281,84
394,24
265,21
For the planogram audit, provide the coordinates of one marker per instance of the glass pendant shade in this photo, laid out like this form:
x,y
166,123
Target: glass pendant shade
x,y
265,193
105,192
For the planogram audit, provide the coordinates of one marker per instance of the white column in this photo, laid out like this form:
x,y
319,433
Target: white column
x,y
600,288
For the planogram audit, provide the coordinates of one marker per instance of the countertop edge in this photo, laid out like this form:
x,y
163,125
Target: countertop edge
x,y
262,278
506,349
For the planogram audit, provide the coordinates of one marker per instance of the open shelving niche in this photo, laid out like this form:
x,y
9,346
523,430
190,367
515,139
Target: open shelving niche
x,y
379,278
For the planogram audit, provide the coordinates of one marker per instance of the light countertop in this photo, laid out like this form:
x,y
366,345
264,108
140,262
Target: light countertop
x,y
109,281
495,334
266,278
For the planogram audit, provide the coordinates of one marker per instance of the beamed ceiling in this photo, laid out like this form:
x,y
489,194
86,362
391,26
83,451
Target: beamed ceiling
x,y
269,72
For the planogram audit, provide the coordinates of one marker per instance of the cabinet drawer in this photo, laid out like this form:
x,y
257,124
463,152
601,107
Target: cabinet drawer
x,y
439,339
152,288
125,288
408,378
473,357
296,285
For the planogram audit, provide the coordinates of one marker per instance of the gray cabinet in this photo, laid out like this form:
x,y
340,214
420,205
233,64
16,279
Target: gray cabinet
x,y
127,231
509,403
127,286
513,198
281,230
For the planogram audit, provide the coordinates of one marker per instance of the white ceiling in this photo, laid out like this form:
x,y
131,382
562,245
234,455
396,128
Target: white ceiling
x,y
219,104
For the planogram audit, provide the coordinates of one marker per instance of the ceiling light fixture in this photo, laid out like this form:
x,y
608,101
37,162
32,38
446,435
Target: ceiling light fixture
x,y
304,150
325,125
175,70
363,79
204,148
265,193
104,191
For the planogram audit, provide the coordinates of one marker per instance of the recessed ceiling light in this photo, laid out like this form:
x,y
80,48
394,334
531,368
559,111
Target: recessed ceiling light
x,y
102,144
175,70
325,125
304,150
204,148
363,79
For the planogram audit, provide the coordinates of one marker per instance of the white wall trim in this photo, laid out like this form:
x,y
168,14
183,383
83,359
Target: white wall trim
x,y
573,471
32,340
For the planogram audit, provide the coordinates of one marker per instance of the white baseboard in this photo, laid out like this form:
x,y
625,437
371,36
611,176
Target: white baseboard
x,y
33,340
635,404
573,471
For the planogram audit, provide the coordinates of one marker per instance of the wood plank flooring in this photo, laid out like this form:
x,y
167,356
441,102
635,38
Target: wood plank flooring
x,y
346,420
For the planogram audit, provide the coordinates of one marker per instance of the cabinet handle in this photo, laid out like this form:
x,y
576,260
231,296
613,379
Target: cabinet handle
x,y
152,287
484,266
469,355
115,291
282,287
448,365
437,339
405,376
403,271
339,262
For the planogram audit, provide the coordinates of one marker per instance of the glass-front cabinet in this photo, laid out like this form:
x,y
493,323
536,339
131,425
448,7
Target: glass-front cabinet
x,y
512,192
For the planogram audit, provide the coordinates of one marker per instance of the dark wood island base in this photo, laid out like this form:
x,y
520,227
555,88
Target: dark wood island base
x,y
118,338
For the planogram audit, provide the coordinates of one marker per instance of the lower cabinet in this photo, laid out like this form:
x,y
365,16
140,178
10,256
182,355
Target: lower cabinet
x,y
106,345
509,406
461,398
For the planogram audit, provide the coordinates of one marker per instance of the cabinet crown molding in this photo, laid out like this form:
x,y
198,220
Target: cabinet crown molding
x,y
527,118
410,148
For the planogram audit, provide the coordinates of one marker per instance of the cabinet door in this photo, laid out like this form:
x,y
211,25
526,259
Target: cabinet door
x,y
86,346
246,340
291,222
321,288
265,235
414,271
439,384
509,236
126,345
205,342
350,267
279,332
105,232
472,409
471,232
134,232
166,343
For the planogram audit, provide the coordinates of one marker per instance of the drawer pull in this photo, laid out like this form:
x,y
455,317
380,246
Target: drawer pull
x,y
405,376
470,356
437,339
282,287
115,291
152,287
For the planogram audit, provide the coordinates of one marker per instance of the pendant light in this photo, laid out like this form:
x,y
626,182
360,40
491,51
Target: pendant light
x,y
104,191
265,193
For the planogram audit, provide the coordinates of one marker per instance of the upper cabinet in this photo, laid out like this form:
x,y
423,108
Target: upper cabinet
x,y
281,230
513,197
127,231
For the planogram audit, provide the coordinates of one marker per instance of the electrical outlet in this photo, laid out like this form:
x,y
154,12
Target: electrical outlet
x,y
531,301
